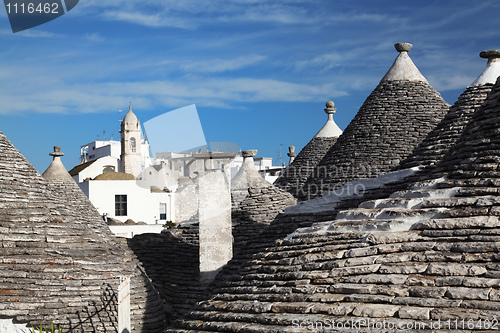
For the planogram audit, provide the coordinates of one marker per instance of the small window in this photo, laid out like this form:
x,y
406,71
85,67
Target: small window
x,y
163,211
108,168
120,205
133,147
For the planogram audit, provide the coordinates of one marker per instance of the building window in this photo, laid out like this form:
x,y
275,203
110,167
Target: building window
x,y
108,168
120,205
163,211
133,147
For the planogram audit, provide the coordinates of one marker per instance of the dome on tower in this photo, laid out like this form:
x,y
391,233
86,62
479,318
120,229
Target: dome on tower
x,y
130,118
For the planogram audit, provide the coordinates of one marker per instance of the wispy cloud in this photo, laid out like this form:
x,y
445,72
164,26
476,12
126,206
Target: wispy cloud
x,y
216,92
453,81
32,34
324,62
248,51
149,20
94,37
191,13
221,65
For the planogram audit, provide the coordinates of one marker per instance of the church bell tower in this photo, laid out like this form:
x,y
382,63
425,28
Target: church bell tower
x,y
131,160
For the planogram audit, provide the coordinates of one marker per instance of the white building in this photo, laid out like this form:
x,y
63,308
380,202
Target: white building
x,y
137,193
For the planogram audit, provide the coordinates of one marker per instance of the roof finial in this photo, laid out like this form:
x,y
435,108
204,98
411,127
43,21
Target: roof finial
x,y
249,153
403,69
56,170
57,152
330,108
330,129
291,154
403,47
491,55
492,70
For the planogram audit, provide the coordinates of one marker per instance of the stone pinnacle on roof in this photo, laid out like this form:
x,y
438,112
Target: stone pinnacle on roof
x,y
330,129
291,154
56,170
248,176
403,67
492,70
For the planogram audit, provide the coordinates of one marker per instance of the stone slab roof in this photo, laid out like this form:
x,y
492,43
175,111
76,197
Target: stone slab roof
x,y
430,254
446,133
295,175
255,213
59,262
393,120
255,202
171,260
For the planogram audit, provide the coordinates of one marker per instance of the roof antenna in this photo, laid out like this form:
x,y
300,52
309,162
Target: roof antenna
x,y
279,154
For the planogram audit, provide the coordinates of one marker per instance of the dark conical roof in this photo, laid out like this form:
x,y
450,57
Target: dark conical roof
x,y
476,153
393,120
447,132
60,263
433,258
296,174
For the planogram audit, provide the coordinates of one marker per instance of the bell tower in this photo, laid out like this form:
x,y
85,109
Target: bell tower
x,y
131,160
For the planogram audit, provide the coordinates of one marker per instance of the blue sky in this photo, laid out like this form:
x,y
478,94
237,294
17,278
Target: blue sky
x,y
259,71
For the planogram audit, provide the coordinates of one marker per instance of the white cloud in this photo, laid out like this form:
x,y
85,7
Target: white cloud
x,y
215,92
191,13
324,62
94,37
32,33
452,81
220,65
149,20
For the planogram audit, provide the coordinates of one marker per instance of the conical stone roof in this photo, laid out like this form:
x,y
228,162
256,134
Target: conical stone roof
x,y
296,174
422,161
441,267
447,132
256,202
393,120
59,261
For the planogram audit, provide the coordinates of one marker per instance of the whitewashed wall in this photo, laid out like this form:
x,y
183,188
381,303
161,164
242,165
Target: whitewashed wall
x,y
142,205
